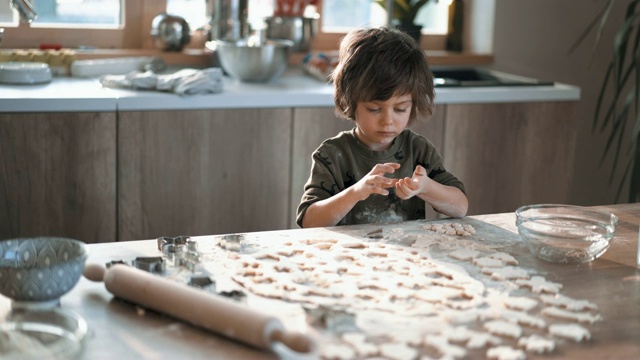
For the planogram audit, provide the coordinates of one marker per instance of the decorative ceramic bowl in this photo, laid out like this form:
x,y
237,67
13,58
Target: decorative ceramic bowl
x,y
40,269
565,233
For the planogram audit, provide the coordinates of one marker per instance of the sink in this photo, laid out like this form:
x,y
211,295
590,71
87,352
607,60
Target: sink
x,y
477,77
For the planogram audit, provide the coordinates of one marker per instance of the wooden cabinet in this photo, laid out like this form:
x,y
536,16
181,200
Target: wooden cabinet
x,y
58,175
511,154
506,154
201,172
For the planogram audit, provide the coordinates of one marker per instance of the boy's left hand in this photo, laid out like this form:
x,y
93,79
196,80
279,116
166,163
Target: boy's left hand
x,y
409,187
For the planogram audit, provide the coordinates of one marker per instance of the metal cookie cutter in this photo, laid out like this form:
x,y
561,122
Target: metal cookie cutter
x,y
153,264
168,244
232,242
181,250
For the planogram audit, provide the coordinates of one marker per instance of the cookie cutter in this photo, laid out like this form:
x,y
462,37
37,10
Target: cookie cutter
x,y
180,249
201,281
153,264
232,242
375,234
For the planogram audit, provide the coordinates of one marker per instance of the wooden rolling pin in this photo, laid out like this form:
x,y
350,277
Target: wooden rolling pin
x,y
201,309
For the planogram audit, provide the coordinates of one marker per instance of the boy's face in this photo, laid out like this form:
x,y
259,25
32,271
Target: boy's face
x,y
379,122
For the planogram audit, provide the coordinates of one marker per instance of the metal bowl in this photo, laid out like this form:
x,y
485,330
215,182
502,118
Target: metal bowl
x,y
252,61
170,32
298,29
565,233
40,269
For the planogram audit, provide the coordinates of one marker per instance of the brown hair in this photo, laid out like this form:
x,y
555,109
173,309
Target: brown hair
x,y
375,64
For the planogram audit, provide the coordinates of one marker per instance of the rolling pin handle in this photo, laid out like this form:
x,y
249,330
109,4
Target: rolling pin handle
x,y
295,341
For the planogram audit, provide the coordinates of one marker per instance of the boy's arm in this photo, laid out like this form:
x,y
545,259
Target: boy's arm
x,y
448,200
329,211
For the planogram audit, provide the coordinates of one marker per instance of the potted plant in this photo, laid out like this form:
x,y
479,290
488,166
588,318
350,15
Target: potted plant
x,y
404,14
620,93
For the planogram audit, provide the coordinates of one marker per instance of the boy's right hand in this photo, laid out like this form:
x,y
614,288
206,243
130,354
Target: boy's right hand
x,y
375,182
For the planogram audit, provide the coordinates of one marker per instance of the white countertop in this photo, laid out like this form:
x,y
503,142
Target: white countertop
x,y
293,89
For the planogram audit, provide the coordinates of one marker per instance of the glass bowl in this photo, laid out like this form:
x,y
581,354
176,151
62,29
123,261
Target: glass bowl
x,y
40,269
42,334
565,233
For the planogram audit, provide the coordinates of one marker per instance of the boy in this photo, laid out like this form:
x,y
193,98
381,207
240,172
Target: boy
x,y
380,171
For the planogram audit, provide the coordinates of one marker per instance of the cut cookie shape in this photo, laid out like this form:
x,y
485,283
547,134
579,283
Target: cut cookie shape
x,y
520,303
567,302
464,254
504,257
584,317
503,328
487,262
538,285
537,344
444,348
505,353
506,273
398,351
574,332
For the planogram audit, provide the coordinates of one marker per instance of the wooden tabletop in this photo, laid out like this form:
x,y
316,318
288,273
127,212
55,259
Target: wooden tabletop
x,y
612,282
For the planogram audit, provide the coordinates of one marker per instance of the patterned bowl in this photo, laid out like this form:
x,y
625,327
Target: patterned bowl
x,y
40,269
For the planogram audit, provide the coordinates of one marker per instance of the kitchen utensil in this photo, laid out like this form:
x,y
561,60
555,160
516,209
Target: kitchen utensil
x,y
170,32
38,271
201,309
25,73
565,233
229,20
112,66
54,333
298,29
252,61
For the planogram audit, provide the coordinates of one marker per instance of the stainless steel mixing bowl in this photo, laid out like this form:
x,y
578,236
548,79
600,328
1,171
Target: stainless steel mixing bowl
x,y
252,62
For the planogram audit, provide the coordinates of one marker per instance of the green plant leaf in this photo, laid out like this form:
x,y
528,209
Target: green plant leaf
x,y
619,95
634,184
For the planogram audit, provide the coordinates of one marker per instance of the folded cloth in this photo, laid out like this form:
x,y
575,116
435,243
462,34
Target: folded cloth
x,y
182,82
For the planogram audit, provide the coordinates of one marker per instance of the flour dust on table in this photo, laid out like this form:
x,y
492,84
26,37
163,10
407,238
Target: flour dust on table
x,y
438,289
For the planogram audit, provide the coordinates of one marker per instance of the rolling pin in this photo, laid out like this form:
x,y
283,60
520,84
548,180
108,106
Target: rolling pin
x,y
201,309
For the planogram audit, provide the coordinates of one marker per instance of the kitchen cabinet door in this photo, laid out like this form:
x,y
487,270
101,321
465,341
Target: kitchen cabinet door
x,y
57,175
311,126
202,172
511,154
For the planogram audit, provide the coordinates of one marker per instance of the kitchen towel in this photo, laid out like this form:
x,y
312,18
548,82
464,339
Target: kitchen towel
x,y
182,82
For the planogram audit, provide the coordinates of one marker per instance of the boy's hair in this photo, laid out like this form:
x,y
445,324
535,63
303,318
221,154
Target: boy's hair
x,y
375,64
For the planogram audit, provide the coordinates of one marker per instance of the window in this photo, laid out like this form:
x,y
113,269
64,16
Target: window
x,y
69,13
103,24
193,11
125,24
342,15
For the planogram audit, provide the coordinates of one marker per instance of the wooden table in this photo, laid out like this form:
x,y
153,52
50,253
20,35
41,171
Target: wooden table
x,y
120,330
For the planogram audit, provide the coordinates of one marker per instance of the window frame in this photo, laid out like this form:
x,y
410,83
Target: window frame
x,y
138,15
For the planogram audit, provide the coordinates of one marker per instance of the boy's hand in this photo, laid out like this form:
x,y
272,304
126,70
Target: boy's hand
x,y
375,182
409,187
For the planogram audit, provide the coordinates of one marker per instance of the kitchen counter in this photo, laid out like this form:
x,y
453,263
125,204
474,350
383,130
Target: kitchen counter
x,y
293,89
121,330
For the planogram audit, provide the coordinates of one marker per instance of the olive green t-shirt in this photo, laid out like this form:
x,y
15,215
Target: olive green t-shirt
x,y
343,160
